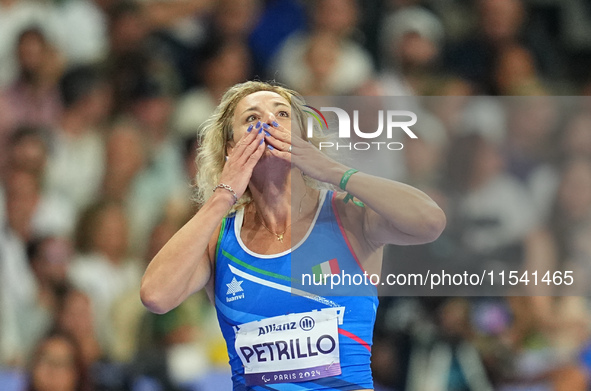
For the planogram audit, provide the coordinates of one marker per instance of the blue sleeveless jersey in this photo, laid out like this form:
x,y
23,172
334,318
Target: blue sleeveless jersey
x,y
302,337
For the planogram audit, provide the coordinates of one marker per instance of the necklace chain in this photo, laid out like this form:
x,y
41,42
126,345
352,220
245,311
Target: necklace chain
x,y
280,235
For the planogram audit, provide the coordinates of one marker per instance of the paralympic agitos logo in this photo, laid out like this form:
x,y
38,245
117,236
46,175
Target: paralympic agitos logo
x,y
395,120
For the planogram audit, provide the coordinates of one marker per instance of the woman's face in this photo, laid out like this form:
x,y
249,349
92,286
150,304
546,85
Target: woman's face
x,y
55,367
76,316
264,106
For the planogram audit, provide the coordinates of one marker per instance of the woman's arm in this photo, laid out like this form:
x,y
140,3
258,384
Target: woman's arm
x,y
184,265
394,212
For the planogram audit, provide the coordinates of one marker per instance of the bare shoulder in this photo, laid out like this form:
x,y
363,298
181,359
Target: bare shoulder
x,y
350,218
349,214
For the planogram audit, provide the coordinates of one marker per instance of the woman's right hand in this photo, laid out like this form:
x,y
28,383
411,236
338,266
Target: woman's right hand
x,y
184,265
242,159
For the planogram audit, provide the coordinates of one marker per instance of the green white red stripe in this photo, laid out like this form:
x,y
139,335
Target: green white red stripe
x,y
325,268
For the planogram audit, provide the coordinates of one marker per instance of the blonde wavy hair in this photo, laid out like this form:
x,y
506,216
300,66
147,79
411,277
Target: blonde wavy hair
x,y
217,132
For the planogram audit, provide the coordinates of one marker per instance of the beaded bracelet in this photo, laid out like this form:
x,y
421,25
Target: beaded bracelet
x,y
224,186
343,185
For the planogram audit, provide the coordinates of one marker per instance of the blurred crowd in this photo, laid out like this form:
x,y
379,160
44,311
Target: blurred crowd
x,y
100,107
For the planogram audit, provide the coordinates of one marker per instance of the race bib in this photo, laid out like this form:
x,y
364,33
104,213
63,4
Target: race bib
x,y
290,348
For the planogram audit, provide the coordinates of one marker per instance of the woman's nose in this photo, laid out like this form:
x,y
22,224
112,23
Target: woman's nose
x,y
269,118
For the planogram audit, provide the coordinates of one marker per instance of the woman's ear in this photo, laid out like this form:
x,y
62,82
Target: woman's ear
x,y
230,147
230,144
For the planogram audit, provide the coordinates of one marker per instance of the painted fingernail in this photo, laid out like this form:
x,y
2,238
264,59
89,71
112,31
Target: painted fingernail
x,y
258,124
260,130
262,141
266,125
267,133
270,146
249,128
275,124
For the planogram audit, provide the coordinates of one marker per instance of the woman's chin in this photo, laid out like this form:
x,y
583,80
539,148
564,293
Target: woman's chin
x,y
268,154
271,161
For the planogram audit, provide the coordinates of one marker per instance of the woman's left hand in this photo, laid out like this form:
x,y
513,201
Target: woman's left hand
x,y
304,155
413,219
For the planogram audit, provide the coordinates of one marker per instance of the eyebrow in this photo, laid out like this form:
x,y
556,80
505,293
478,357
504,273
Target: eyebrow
x,y
256,108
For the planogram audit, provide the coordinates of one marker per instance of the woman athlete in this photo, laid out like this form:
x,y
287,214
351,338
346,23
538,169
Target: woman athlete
x,y
247,239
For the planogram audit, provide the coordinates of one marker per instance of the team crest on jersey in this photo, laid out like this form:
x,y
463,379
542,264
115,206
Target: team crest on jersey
x,y
234,289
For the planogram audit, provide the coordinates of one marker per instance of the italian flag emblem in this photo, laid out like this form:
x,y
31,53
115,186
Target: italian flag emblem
x,y
324,269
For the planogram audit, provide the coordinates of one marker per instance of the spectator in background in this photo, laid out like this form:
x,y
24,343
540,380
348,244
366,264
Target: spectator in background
x,y
233,20
129,312
549,333
152,37
411,41
135,54
422,159
424,155
576,140
18,288
76,164
528,148
451,112
128,58
32,98
125,181
541,339
490,212
515,72
27,148
320,60
25,172
283,18
58,365
177,28
162,180
501,25
128,28
49,259
500,22
102,268
15,17
325,59
81,30
571,217
29,213
484,115
448,359
125,159
222,64
74,315
32,211
182,206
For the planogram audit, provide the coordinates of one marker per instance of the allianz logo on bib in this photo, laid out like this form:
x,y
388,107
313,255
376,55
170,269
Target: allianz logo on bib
x,y
234,287
306,324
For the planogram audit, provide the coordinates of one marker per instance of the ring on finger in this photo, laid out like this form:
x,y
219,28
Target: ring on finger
x,y
289,149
